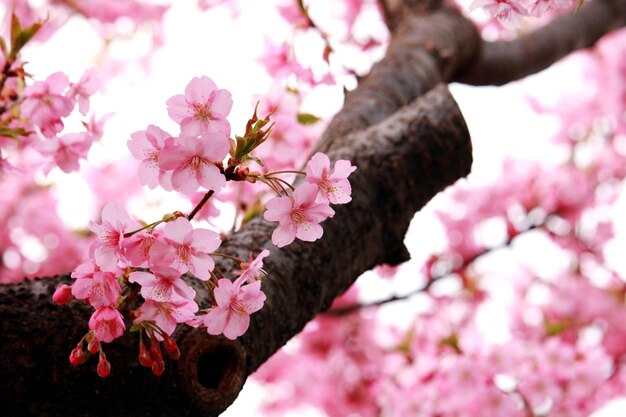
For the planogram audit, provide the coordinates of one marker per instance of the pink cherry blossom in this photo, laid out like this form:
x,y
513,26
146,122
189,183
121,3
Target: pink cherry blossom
x,y
84,89
45,103
147,145
67,150
510,13
235,303
193,161
62,295
185,248
108,249
163,285
137,247
97,287
538,8
107,324
167,314
334,188
253,270
298,215
202,109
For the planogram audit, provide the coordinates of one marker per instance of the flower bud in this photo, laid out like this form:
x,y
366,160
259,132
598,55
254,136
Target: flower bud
x,y
158,367
144,356
62,295
169,343
77,356
93,346
104,367
155,351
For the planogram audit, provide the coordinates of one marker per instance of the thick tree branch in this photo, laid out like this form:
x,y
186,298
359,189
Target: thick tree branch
x,y
402,163
503,62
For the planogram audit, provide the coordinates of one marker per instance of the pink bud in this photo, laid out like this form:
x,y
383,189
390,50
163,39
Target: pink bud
x,y
77,356
104,367
62,295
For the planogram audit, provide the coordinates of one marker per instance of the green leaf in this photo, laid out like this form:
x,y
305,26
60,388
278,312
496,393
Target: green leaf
x,y
16,28
307,118
12,132
3,46
22,38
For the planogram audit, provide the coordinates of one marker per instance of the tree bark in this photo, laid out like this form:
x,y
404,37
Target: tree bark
x,y
407,137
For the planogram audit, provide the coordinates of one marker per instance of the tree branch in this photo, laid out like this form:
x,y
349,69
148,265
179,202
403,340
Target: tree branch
x,y
502,62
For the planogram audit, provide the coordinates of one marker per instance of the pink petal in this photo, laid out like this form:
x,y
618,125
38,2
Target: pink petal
x,y
224,292
284,235
205,240
177,230
185,180
237,325
216,320
221,104
201,265
309,232
211,178
177,108
199,90
317,166
277,208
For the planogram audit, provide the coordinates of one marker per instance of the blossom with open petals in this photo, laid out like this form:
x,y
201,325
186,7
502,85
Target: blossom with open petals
x,y
202,109
235,303
185,248
298,215
333,187
193,162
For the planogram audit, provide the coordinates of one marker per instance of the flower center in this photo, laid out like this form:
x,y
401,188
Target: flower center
x,y
297,215
203,111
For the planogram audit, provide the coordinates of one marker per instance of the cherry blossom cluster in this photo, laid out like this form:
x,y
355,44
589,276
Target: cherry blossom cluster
x,y
136,272
561,350
32,114
511,13
280,58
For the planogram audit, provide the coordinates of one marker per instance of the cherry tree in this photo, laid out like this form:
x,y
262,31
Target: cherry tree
x,y
170,315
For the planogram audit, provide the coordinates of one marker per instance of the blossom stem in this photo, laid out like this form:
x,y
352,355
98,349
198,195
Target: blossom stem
x,y
197,208
287,171
224,255
129,234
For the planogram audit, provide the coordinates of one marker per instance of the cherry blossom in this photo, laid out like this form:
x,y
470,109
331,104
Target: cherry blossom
x,y
235,303
253,270
510,13
107,324
186,248
108,249
202,109
147,145
333,187
99,288
45,103
163,285
193,162
167,314
298,216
